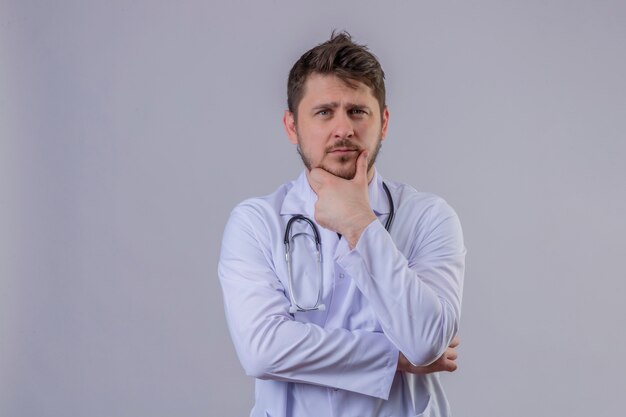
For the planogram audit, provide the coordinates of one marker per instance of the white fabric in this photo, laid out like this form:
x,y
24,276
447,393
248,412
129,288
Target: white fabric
x,y
393,292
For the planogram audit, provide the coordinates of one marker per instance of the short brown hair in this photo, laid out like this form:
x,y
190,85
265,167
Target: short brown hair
x,y
342,57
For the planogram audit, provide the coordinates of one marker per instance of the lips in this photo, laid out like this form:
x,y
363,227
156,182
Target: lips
x,y
342,150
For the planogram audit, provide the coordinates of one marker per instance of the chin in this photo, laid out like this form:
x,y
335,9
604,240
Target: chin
x,y
347,172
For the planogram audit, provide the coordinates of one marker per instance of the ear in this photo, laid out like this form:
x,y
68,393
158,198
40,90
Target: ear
x,y
385,123
289,122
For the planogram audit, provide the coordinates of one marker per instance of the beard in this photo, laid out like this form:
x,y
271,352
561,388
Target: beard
x,y
347,170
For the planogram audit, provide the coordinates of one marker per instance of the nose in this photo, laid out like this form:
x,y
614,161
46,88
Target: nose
x,y
343,126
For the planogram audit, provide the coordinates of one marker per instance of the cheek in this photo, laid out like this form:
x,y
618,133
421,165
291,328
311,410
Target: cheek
x,y
315,140
318,131
316,151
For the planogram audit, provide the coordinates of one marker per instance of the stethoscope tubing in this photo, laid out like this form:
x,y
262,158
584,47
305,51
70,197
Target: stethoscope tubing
x,y
295,307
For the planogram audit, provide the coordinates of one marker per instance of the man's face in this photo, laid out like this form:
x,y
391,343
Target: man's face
x,y
335,123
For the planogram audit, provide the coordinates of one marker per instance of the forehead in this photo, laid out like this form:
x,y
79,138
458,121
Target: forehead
x,y
321,88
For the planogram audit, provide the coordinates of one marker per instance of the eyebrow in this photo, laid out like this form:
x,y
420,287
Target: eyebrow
x,y
334,105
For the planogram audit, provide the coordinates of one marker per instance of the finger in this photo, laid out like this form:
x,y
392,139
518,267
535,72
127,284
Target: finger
x,y
361,167
317,177
451,366
441,365
452,355
455,342
447,365
315,185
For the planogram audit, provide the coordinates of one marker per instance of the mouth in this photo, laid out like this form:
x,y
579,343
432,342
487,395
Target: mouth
x,y
342,151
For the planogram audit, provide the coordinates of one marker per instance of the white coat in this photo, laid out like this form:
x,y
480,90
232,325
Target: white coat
x,y
394,292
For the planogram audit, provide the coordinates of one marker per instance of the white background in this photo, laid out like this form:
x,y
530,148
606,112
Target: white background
x,y
129,130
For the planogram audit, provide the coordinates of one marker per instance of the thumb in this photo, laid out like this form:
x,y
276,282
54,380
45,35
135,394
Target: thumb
x,y
361,167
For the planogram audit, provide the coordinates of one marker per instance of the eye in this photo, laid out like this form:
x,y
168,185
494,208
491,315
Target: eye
x,y
358,111
323,112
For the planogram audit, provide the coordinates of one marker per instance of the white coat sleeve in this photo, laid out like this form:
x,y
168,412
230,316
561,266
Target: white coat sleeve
x,y
417,300
270,344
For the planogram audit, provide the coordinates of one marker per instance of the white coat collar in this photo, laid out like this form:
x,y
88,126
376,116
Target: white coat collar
x,y
301,198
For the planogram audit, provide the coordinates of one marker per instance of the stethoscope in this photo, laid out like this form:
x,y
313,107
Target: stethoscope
x,y
295,306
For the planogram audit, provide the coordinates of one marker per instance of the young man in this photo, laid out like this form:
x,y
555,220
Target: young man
x,y
343,291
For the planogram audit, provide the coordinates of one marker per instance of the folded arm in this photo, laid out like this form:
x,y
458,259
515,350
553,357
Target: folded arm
x,y
271,344
416,298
